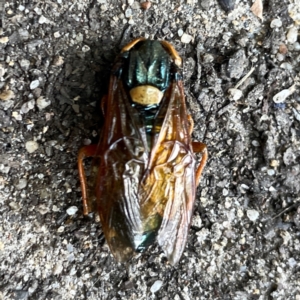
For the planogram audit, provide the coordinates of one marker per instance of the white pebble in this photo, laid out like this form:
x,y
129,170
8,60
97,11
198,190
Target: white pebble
x,y
21,7
156,286
43,20
72,210
16,115
31,146
281,96
296,46
38,11
56,34
21,184
271,172
292,262
255,143
276,23
27,106
57,269
286,66
252,214
86,48
4,40
235,94
34,84
292,35
186,38
225,192
180,32
61,229
42,103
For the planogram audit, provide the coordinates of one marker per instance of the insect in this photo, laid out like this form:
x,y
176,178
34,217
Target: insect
x,y
144,176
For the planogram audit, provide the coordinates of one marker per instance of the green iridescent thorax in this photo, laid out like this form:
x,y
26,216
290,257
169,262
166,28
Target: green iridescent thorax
x,y
148,63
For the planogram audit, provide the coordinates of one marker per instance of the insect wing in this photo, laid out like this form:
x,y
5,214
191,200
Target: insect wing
x,y
123,156
169,187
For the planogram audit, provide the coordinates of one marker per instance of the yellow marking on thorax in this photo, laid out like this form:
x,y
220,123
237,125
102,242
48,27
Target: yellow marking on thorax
x,y
146,95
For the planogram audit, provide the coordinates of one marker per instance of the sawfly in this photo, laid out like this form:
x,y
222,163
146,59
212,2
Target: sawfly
x,y
144,173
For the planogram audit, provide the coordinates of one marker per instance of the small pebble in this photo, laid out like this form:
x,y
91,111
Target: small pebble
x,y
208,58
21,184
24,63
227,5
146,5
180,32
76,108
235,94
286,66
34,84
56,34
276,23
281,96
292,35
225,192
31,146
237,64
292,262
7,95
58,60
128,12
186,38
252,214
42,103
85,48
43,20
16,115
72,210
274,163
21,7
61,229
38,10
58,268
283,49
27,106
4,40
156,286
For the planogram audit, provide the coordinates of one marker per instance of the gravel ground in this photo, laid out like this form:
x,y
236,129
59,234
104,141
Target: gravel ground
x,y
55,59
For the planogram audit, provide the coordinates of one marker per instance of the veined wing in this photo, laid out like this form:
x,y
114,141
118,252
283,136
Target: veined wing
x,y
168,189
123,156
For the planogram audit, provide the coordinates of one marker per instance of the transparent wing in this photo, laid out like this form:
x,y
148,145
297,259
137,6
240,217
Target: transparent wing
x,y
168,187
123,156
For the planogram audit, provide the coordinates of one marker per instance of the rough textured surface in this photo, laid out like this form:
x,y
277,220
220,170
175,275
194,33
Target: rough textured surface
x,y
55,58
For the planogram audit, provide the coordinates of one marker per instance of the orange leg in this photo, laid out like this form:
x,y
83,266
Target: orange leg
x,y
84,152
200,148
132,43
191,124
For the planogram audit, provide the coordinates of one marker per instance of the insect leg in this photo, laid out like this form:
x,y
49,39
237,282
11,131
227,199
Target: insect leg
x,y
200,148
84,152
191,124
103,104
173,53
131,44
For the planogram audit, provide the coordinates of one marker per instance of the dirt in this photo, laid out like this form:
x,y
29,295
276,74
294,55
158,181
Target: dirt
x,y
55,61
